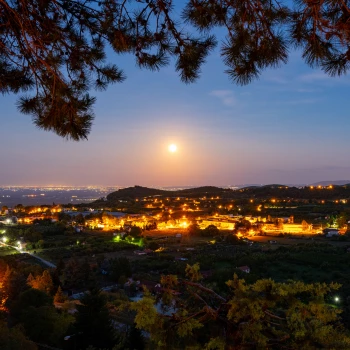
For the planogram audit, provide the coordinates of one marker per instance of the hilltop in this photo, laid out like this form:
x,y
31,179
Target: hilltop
x,y
327,183
282,191
139,192
258,192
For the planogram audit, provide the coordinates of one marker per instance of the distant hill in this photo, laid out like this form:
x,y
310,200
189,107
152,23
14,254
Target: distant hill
x,y
246,185
283,191
327,183
135,192
269,191
139,192
257,192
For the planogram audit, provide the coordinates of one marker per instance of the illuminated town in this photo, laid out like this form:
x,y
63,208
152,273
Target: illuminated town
x,y
171,215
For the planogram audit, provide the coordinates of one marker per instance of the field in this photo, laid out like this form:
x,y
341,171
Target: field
x,y
285,241
5,250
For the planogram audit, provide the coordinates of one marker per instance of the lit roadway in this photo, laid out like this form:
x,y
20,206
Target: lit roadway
x,y
47,263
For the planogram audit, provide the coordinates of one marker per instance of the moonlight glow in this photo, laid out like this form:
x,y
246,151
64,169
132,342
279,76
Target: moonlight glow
x,y
172,148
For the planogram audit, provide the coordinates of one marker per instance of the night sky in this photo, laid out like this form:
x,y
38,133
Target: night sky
x,y
290,126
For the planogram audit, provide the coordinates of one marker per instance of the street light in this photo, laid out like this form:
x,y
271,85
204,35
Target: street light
x,y
336,299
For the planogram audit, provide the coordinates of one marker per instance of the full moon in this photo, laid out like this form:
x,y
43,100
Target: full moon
x,y
172,148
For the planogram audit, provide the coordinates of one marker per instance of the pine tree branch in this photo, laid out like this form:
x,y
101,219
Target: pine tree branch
x,y
204,289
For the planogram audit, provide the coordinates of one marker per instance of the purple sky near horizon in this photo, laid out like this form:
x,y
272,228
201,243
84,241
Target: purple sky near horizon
x,y
290,126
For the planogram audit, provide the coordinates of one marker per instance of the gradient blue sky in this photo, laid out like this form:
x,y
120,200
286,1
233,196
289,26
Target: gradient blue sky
x,y
291,126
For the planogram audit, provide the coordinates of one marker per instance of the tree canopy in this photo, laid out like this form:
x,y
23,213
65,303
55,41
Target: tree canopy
x,y
93,323
56,49
263,315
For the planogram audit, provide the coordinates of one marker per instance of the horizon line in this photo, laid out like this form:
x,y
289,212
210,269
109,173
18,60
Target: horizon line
x,y
164,186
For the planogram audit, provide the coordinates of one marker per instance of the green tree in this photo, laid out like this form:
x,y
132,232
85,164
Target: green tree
x,y
304,225
85,273
79,219
31,297
44,324
40,244
93,323
232,239
263,315
58,272
120,267
245,224
5,280
46,282
135,231
35,312
14,339
135,339
153,245
19,208
194,230
63,55
42,282
342,220
59,296
64,217
210,231
71,276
